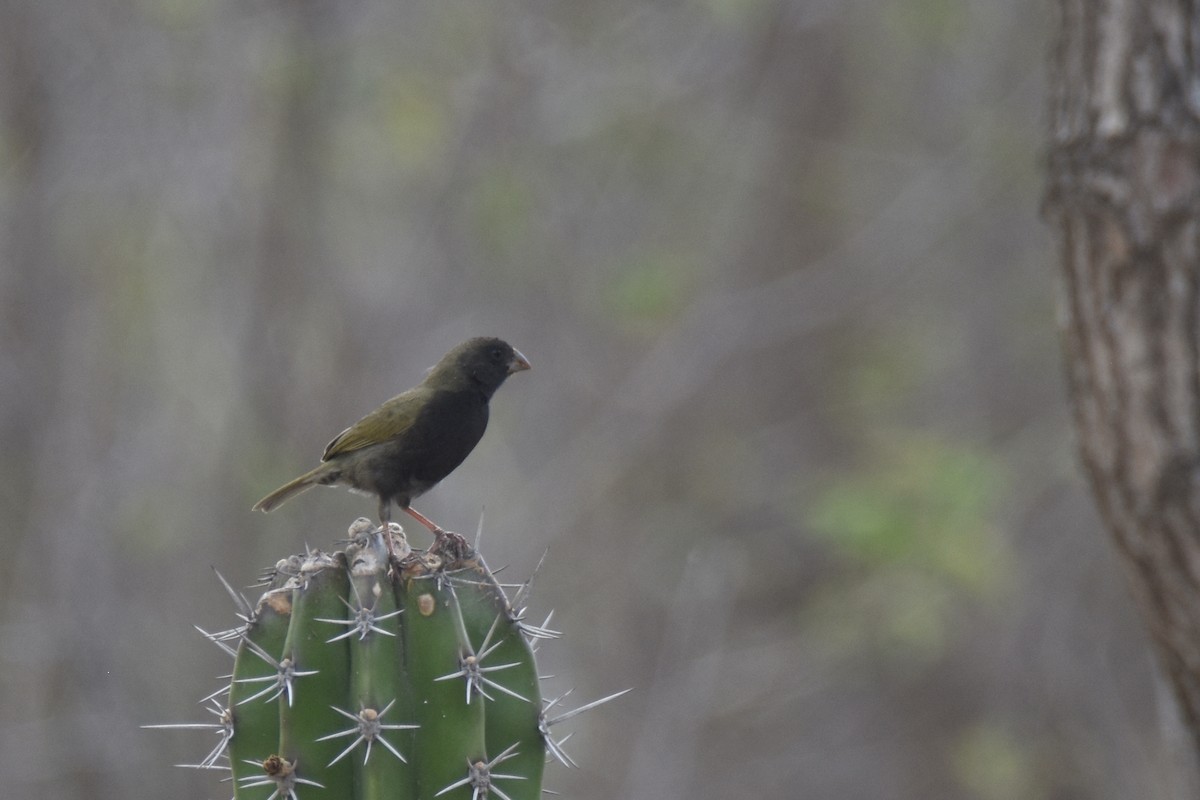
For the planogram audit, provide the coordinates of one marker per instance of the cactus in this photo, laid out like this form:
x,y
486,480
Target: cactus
x,y
354,678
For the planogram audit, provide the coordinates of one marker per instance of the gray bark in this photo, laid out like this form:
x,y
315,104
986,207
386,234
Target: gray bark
x,y
1124,200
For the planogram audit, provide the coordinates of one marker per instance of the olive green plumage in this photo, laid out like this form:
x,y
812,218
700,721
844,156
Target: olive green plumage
x,y
403,448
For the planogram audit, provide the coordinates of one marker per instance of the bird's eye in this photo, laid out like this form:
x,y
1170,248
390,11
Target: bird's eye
x,y
497,354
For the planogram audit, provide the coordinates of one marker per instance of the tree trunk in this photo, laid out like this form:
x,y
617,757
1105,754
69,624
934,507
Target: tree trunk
x,y
1124,199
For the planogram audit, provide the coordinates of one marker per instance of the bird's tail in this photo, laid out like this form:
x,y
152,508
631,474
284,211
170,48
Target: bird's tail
x,y
290,489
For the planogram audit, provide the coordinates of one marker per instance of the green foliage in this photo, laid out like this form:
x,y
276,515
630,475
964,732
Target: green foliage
x,y
501,205
414,122
928,503
916,533
993,765
921,24
735,12
651,290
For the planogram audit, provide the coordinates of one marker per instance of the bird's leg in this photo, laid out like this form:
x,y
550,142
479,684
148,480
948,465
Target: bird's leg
x,y
434,528
385,517
441,536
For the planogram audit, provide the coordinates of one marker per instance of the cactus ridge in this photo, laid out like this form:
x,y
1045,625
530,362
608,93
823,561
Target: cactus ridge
x,y
424,659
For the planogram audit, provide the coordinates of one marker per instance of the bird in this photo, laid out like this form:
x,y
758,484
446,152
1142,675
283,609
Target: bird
x,y
405,447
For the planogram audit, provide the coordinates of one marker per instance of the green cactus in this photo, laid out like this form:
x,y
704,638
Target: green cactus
x,y
356,679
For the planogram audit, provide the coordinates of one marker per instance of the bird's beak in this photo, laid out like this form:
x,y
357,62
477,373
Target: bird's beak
x,y
518,363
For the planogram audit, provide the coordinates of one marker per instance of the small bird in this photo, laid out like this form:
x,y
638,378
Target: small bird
x,y
403,448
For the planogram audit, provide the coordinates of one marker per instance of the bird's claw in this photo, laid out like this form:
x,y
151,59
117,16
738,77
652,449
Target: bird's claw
x,y
394,554
450,546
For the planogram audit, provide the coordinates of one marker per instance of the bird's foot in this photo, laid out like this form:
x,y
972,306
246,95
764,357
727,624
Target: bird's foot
x,y
449,545
389,541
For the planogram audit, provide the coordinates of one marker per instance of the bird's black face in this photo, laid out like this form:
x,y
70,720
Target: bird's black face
x,y
490,361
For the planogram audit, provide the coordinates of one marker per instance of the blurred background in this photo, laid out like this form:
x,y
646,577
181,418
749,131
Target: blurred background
x,y
795,438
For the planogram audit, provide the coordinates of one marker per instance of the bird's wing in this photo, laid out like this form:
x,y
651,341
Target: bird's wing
x,y
388,421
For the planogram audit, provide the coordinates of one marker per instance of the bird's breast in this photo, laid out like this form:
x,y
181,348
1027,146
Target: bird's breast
x,y
442,436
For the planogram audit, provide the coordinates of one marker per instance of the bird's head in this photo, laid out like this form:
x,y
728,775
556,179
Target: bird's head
x,y
482,362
